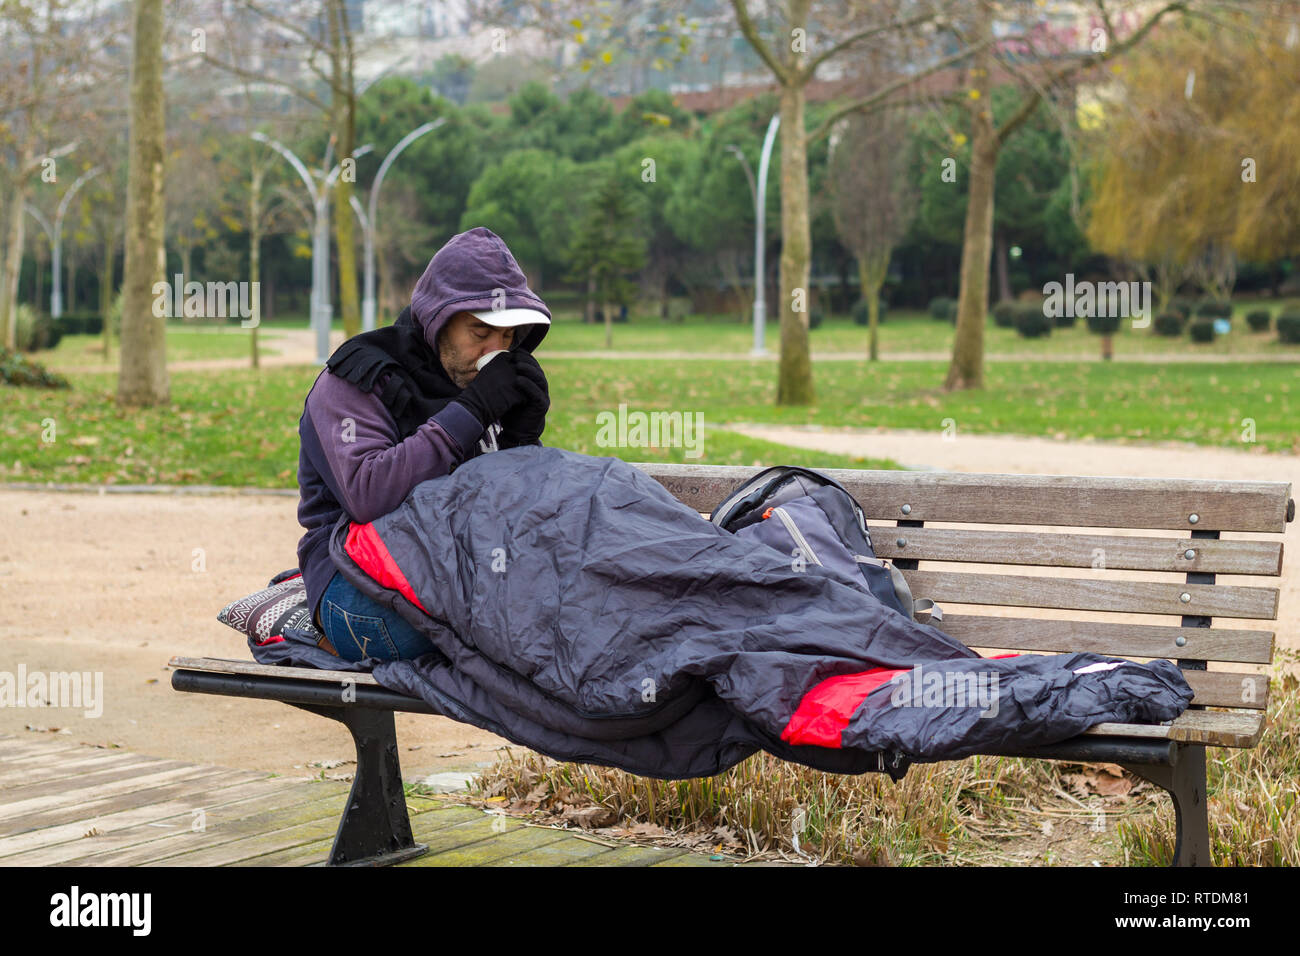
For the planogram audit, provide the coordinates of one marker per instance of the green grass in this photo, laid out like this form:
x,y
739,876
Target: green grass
x,y
182,345
901,332
239,427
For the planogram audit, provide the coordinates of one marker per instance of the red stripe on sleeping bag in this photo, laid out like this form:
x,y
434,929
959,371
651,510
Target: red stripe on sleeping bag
x,y
825,710
365,547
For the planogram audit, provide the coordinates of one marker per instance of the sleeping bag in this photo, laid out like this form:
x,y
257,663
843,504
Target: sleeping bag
x,y
581,610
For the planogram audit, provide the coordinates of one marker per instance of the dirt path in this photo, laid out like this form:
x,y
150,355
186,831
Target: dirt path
x,y
120,582
108,583
298,347
292,346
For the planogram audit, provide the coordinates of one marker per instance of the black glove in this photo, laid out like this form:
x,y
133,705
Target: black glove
x,y
494,391
524,424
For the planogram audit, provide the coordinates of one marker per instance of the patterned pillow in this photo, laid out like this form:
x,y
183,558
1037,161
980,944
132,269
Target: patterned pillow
x,y
263,617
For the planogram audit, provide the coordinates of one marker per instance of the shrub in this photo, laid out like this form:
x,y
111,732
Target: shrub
x,y
1031,323
1064,321
1104,324
34,330
1182,305
1288,327
1202,330
860,312
1213,309
1004,315
943,308
17,369
1169,324
815,318
1259,320
81,323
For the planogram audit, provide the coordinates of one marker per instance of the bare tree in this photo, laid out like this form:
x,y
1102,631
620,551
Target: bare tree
x,y
1032,64
793,56
873,200
142,379
50,60
318,38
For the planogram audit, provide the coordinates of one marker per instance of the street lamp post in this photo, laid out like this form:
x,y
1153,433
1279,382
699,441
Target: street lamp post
x,y
370,223
321,310
55,234
759,191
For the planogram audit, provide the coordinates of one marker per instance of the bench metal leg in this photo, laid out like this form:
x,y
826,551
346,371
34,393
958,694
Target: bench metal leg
x,y
375,829
1185,781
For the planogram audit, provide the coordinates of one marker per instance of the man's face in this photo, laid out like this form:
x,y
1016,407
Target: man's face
x,y
464,340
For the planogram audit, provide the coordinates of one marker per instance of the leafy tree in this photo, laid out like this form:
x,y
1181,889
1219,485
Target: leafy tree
x,y
516,199
610,244
660,168
1195,165
711,209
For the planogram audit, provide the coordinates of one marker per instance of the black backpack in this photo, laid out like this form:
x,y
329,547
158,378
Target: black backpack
x,y
812,517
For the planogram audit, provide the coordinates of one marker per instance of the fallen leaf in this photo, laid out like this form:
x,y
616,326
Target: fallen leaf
x,y
589,817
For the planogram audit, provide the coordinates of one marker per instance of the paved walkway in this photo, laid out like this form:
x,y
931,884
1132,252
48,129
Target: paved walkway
x,y
298,347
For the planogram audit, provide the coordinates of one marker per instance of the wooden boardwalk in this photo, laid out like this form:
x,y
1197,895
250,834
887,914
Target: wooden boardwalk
x,y
67,804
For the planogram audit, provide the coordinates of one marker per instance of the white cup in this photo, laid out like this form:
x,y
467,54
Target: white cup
x,y
489,357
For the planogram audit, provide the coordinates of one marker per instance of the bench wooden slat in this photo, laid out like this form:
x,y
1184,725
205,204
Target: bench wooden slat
x,y
1213,728
1228,689
1104,637
221,665
1083,594
1047,500
1118,552
1212,688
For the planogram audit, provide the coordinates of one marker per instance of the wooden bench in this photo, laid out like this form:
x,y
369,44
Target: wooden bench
x,y
1168,531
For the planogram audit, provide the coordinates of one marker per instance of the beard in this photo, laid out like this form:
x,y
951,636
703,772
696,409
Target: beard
x,y
460,373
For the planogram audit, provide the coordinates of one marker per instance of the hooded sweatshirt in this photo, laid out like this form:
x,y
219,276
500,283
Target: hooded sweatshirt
x,y
353,458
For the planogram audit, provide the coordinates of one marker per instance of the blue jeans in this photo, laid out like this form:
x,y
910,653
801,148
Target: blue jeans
x,y
360,628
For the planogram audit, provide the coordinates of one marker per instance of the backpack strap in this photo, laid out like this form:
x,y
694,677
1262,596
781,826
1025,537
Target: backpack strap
x,y
904,591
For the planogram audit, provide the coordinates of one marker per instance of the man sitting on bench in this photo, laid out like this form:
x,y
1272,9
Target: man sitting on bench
x,y
406,403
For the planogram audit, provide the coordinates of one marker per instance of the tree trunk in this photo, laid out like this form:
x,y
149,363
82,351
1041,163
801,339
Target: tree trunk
x,y
729,266
344,108
142,379
106,293
1004,276
871,277
255,256
795,383
589,307
70,272
1107,347
967,368
12,264
187,261
609,325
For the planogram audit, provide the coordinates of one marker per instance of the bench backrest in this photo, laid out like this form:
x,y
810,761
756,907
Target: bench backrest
x,y
1160,555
